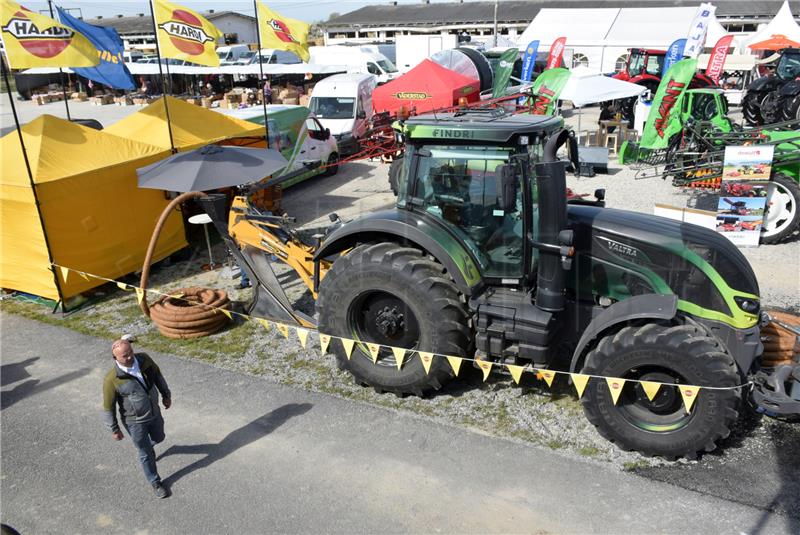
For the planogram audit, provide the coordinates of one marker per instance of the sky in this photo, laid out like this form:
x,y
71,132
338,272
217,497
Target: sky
x,y
306,10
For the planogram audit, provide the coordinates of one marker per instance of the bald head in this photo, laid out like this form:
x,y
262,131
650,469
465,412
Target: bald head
x,y
123,352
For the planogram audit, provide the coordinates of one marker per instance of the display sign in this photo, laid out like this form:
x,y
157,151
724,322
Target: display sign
x,y
743,195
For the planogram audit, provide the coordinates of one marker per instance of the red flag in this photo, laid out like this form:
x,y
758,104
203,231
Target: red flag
x,y
717,60
556,53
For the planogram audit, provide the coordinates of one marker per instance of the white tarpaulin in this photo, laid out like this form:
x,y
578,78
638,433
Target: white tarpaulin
x,y
783,24
589,86
152,69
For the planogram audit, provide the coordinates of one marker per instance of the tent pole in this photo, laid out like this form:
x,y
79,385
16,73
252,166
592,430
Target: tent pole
x,y
33,184
161,73
60,70
260,85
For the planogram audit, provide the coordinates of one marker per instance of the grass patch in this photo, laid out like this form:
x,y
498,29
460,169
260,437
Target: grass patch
x,y
588,451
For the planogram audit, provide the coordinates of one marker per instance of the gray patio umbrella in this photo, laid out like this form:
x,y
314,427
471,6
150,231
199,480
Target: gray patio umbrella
x,y
211,167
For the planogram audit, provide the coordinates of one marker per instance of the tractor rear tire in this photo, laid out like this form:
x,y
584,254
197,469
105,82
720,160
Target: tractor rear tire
x,y
791,108
751,108
394,172
394,296
782,216
684,354
771,108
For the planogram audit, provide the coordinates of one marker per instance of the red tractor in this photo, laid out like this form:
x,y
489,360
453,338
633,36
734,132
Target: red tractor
x,y
644,67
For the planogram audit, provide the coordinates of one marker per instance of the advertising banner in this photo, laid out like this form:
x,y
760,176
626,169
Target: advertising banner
x,y
697,32
502,73
674,55
529,59
716,63
556,53
743,196
546,90
283,33
185,34
659,128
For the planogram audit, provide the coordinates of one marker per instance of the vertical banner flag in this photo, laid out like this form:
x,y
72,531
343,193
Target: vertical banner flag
x,y
697,32
111,70
502,73
674,55
659,128
32,40
529,59
556,53
185,34
283,33
716,63
546,89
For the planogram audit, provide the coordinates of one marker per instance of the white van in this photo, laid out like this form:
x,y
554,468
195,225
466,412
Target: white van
x,y
355,60
270,56
343,104
230,54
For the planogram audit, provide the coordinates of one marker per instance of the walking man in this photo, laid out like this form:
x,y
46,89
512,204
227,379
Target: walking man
x,y
133,384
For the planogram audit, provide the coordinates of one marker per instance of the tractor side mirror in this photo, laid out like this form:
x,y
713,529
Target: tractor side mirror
x,y
506,186
326,134
361,115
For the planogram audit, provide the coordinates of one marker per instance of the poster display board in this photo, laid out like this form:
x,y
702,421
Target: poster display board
x,y
743,196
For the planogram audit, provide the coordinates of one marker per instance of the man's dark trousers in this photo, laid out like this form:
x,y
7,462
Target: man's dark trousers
x,y
144,437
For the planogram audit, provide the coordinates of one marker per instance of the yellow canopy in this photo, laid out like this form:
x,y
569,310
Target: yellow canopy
x,y
192,126
97,219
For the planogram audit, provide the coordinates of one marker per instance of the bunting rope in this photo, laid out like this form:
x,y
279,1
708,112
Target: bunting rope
x,y
615,385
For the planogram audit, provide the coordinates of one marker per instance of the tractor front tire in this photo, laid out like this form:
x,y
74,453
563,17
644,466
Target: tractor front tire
x,y
394,172
751,108
683,354
394,296
791,108
782,215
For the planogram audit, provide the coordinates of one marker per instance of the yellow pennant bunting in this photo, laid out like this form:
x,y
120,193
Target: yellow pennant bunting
x,y
650,388
615,387
548,376
689,394
427,359
265,324
399,356
485,366
579,380
139,295
348,346
64,272
227,313
455,363
284,330
302,334
516,371
324,342
374,349
122,286
84,275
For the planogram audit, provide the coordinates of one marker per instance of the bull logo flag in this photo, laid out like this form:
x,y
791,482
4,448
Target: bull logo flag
x,y
33,40
283,33
185,34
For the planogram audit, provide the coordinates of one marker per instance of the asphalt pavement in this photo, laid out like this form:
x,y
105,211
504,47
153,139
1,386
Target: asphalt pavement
x,y
244,455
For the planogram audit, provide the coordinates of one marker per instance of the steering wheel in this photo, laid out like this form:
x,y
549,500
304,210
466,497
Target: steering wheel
x,y
449,199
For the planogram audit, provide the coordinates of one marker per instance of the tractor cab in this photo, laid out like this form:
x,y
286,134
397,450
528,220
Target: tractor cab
x,y
707,105
642,61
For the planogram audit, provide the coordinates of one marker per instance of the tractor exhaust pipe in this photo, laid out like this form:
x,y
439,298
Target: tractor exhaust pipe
x,y
552,183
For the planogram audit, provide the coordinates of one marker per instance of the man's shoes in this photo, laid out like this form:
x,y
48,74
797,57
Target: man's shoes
x,y
160,490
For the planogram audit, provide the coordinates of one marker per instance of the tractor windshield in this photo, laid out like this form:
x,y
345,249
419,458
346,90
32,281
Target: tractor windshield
x,y
636,63
458,185
789,66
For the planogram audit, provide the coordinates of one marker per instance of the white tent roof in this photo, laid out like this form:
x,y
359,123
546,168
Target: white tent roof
x,y
782,24
651,26
580,26
588,86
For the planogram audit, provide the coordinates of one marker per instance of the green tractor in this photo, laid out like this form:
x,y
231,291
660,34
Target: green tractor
x,y
697,133
484,257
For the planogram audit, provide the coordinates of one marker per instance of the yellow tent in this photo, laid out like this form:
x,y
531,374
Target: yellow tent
x,y
95,216
192,126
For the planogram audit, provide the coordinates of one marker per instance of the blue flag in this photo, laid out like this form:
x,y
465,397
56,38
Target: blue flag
x,y
529,59
111,70
674,55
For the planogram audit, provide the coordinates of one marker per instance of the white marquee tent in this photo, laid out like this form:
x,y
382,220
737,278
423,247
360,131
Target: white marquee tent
x,y
783,24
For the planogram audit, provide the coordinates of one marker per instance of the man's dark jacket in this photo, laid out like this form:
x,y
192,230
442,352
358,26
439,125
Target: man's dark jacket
x,y
138,403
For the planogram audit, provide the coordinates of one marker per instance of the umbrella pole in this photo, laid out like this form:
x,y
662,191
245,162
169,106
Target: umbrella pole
x,y
60,70
260,86
580,112
33,186
161,73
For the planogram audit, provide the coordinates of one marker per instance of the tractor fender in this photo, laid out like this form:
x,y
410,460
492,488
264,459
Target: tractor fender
x,y
650,306
765,83
639,79
407,227
790,89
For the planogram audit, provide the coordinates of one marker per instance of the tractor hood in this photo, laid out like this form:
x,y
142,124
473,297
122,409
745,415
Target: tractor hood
x,y
710,276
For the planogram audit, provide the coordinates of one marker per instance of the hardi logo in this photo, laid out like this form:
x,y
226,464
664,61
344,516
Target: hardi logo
x,y
186,33
411,95
282,31
46,43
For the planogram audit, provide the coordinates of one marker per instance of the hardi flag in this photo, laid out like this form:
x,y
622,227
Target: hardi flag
x,y
185,34
112,70
33,40
283,33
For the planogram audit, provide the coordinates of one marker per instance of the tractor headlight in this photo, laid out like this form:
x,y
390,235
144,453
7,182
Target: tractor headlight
x,y
751,306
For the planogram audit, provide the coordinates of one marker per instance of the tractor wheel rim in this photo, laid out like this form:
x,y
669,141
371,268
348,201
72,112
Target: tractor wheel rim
x,y
781,209
380,317
665,412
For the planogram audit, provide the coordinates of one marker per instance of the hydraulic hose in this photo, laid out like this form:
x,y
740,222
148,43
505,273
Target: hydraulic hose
x,y
190,312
